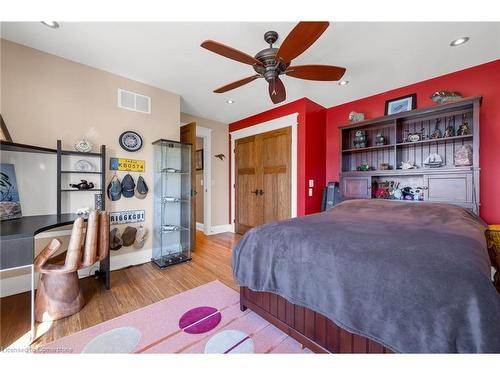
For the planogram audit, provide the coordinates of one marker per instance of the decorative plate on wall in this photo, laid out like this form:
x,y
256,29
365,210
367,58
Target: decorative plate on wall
x,y
130,141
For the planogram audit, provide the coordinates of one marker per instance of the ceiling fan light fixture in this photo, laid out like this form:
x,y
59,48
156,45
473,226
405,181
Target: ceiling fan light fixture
x,y
230,101
459,41
51,24
343,83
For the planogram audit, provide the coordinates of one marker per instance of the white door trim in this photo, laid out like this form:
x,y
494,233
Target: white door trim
x,y
263,127
206,134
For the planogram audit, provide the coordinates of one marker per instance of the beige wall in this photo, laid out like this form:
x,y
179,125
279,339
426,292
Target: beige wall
x,y
220,169
45,98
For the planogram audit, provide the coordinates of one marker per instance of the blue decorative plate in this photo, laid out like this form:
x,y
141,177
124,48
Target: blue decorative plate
x,y
130,141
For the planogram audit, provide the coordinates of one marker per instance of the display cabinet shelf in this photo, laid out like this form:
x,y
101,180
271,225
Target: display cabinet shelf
x,y
172,203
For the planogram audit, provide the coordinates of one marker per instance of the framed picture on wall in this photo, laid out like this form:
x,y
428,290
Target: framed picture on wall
x,y
401,104
10,204
198,161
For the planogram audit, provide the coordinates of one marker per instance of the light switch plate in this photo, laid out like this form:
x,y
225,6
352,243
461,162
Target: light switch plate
x,y
310,192
311,183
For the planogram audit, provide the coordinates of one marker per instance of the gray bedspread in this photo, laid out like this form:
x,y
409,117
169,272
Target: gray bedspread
x,y
413,277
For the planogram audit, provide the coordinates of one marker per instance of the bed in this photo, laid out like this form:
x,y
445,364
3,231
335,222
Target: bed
x,y
373,276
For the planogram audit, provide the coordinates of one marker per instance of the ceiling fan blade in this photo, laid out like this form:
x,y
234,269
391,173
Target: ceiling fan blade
x,y
277,91
300,38
236,84
316,72
229,52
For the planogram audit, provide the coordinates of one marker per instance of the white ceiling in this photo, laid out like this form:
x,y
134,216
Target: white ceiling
x,y
379,56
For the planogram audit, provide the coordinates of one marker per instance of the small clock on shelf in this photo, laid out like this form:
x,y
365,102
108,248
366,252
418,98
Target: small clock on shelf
x,y
130,141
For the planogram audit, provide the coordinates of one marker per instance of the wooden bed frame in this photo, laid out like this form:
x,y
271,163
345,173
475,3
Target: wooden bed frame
x,y
311,329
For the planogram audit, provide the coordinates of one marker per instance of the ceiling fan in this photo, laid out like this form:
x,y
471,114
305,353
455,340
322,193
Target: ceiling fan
x,y
272,62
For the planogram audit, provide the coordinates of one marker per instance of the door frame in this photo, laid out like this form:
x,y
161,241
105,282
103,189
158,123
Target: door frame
x,y
206,134
263,127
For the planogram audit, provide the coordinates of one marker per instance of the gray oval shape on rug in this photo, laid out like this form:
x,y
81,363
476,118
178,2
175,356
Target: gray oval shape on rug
x,y
118,340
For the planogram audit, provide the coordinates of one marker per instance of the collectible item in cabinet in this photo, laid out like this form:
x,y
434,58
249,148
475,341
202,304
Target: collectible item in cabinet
x,y
379,139
433,161
83,146
464,128
359,139
10,204
444,96
356,116
83,185
463,156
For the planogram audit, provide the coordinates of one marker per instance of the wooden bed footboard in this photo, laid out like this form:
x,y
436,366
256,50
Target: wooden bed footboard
x,y
311,329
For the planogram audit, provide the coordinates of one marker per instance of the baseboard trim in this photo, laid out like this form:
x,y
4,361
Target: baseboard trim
x,y
220,229
21,283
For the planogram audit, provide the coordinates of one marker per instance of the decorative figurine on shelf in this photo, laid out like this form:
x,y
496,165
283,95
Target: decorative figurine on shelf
x,y
464,129
408,165
379,139
359,139
414,137
437,132
356,116
450,129
433,161
83,185
463,156
385,166
449,132
364,167
83,146
441,97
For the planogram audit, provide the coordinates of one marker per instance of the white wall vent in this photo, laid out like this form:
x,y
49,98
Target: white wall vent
x,y
133,101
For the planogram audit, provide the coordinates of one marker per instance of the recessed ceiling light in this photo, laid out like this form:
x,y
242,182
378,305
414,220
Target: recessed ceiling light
x,y
343,83
229,101
51,24
459,41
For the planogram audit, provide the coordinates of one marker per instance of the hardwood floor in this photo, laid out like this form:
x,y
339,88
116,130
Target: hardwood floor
x,y
131,288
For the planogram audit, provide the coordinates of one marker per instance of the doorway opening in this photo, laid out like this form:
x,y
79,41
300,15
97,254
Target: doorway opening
x,y
204,179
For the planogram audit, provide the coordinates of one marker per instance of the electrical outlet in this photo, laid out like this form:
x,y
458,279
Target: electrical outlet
x,y
310,192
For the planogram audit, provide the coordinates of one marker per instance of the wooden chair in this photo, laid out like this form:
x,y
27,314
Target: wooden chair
x,y
58,294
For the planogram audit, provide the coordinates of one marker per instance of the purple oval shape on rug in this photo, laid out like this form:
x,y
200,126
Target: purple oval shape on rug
x,y
200,319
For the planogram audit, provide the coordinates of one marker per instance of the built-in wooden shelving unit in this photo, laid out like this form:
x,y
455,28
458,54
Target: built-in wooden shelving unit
x,y
448,183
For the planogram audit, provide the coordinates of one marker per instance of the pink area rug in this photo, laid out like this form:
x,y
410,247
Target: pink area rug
x,y
206,319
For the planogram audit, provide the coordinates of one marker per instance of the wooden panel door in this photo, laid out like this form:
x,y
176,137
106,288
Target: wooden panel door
x,y
276,175
248,179
262,179
188,135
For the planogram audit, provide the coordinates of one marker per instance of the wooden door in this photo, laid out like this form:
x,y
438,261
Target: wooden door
x,y
188,135
262,179
276,175
248,179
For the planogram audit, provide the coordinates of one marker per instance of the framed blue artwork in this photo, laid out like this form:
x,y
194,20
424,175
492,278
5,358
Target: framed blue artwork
x,y
10,204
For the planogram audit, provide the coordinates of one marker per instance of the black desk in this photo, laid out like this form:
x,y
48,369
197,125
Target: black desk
x,y
17,235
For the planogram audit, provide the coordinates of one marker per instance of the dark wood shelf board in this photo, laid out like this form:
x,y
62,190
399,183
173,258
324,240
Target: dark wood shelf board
x,y
364,149
92,154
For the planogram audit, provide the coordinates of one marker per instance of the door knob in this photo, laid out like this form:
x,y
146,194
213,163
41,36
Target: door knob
x,y
261,192
256,192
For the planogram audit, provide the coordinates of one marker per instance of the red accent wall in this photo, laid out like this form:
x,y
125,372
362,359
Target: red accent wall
x,y
311,147
481,80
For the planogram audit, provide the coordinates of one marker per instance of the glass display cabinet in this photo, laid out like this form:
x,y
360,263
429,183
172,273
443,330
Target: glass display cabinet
x,y
172,203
